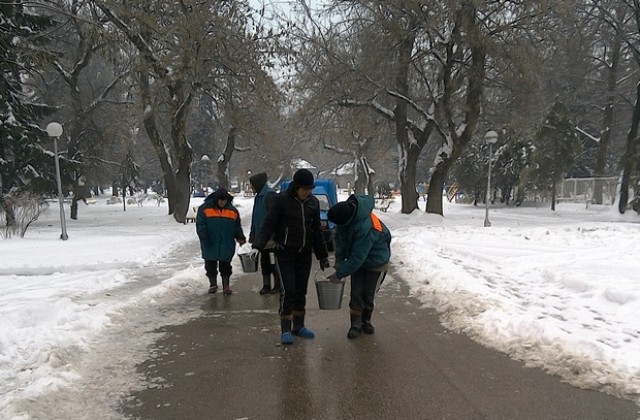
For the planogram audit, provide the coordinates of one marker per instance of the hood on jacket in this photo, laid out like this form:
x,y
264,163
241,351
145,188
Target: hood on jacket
x,y
212,199
258,181
356,207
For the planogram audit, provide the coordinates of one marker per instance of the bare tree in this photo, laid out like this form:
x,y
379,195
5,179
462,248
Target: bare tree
x,y
88,88
627,32
185,49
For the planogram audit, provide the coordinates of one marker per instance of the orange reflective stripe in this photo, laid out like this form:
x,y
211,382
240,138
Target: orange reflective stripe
x,y
226,213
377,224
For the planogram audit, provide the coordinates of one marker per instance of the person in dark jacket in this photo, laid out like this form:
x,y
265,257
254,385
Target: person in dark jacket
x,y
362,246
293,222
217,225
262,202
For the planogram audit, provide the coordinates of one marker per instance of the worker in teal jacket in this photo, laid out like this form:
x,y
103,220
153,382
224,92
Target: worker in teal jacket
x,y
218,225
363,251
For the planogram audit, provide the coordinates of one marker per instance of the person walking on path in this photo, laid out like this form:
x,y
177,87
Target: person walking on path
x,y
362,249
294,224
217,225
262,202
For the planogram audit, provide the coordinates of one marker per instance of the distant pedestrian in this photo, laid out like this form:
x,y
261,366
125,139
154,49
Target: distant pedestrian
x,y
217,226
261,204
293,223
363,249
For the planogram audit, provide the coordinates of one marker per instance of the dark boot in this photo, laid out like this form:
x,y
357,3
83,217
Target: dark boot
x,y
225,285
367,326
356,326
285,323
266,285
299,329
213,285
275,290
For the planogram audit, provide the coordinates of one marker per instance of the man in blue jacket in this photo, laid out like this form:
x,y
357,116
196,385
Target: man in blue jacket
x,y
363,249
217,225
261,204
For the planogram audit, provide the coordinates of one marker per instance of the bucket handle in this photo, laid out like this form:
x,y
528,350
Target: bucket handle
x,y
321,276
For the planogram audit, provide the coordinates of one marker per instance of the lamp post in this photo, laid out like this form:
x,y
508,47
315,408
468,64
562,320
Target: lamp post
x,y
490,138
54,130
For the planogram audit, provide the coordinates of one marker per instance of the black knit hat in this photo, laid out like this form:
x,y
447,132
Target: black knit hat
x,y
342,212
303,178
258,181
222,194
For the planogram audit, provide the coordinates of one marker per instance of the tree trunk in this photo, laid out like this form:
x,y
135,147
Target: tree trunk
x,y
436,186
553,195
9,213
468,28
630,156
409,151
223,163
156,140
74,208
361,176
180,103
607,122
182,192
409,162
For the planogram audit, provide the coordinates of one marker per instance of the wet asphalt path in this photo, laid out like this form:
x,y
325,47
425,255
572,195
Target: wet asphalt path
x,y
229,365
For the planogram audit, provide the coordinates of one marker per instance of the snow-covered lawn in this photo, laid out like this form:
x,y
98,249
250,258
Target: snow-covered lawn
x,y
559,290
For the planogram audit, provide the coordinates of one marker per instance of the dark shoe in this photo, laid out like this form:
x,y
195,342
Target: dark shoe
x,y
265,290
227,290
286,338
353,332
213,289
368,328
304,332
275,291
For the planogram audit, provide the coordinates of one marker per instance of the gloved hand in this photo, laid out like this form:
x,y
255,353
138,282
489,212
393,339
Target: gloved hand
x,y
324,263
254,254
334,278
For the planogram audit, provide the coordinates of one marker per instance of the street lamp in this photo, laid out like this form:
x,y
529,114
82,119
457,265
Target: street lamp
x,y
490,138
55,130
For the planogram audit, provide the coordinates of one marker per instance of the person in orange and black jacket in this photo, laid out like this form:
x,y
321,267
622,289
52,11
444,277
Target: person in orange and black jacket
x,y
218,225
293,222
363,250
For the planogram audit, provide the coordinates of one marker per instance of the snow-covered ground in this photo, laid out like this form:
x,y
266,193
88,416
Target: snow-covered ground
x,y
559,290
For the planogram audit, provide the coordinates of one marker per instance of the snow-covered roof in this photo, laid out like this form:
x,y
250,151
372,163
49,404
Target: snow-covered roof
x,y
344,169
298,163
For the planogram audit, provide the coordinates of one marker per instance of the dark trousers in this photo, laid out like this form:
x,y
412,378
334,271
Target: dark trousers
x,y
364,285
265,262
211,267
294,268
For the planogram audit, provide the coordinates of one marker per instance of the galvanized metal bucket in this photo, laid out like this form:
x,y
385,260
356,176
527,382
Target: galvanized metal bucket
x,y
248,265
329,293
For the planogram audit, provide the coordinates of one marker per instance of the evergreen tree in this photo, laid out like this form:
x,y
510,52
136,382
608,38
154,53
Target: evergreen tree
x,y
22,158
470,172
510,162
556,147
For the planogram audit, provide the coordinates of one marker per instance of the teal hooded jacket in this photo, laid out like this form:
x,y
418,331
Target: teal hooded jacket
x,y
217,228
363,241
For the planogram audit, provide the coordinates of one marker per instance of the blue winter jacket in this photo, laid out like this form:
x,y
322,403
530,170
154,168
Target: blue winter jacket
x,y
218,227
261,204
364,241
